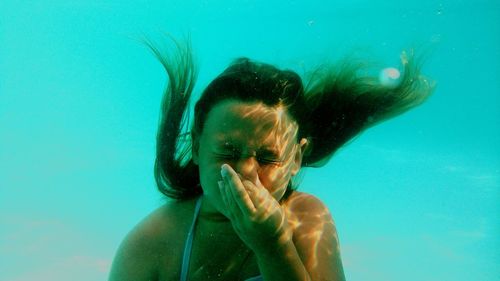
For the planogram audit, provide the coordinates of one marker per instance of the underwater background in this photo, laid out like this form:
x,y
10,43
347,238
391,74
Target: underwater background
x,y
415,198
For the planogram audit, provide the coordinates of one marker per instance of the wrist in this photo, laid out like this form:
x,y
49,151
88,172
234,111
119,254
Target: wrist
x,y
277,245
281,262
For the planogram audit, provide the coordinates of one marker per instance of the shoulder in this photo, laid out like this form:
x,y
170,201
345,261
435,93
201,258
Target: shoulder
x,y
304,206
315,236
166,221
308,214
171,217
151,240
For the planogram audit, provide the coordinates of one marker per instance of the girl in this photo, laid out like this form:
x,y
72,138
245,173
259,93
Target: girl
x,y
237,214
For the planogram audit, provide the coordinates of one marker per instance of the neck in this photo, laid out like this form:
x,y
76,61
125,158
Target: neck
x,y
210,213
213,217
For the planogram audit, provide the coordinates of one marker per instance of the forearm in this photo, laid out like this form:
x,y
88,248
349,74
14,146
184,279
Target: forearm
x,y
282,263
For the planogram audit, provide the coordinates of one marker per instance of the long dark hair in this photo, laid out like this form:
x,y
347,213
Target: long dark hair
x,y
336,105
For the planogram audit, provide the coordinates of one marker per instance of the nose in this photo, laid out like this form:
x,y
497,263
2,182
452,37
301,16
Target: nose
x,y
247,166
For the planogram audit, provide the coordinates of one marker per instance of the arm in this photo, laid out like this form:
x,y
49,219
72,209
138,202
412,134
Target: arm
x,y
314,246
315,238
282,262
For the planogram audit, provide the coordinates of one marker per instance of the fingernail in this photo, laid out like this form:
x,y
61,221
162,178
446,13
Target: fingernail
x,y
223,171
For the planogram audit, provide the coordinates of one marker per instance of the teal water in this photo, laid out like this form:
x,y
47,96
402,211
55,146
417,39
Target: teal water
x,y
416,198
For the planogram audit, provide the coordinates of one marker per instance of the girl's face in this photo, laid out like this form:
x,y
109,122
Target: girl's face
x,y
257,141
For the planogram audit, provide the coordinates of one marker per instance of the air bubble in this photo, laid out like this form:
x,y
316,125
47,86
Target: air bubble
x,y
439,11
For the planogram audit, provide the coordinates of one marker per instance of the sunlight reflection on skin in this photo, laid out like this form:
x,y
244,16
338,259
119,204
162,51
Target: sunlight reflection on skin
x,y
311,228
278,130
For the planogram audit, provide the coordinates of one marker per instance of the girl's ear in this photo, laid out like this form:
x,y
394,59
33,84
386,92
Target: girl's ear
x,y
298,156
195,145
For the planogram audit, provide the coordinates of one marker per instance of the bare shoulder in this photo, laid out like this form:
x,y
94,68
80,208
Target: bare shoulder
x,y
165,221
308,214
307,207
315,236
149,243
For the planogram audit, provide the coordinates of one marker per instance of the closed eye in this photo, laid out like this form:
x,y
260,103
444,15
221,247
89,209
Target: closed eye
x,y
225,155
269,161
261,160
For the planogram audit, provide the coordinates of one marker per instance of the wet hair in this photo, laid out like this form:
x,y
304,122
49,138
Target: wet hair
x,y
336,105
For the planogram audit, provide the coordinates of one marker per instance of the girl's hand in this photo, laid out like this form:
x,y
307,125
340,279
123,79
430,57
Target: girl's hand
x,y
256,216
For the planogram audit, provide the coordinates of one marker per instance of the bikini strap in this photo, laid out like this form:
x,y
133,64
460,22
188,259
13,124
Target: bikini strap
x,y
189,243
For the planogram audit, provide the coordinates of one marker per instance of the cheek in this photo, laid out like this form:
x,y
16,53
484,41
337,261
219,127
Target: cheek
x,y
275,179
209,170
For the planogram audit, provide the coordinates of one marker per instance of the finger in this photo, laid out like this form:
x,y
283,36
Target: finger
x,y
252,192
237,190
223,196
260,196
265,203
260,190
232,208
238,196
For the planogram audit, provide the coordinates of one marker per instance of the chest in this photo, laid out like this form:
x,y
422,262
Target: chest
x,y
217,253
